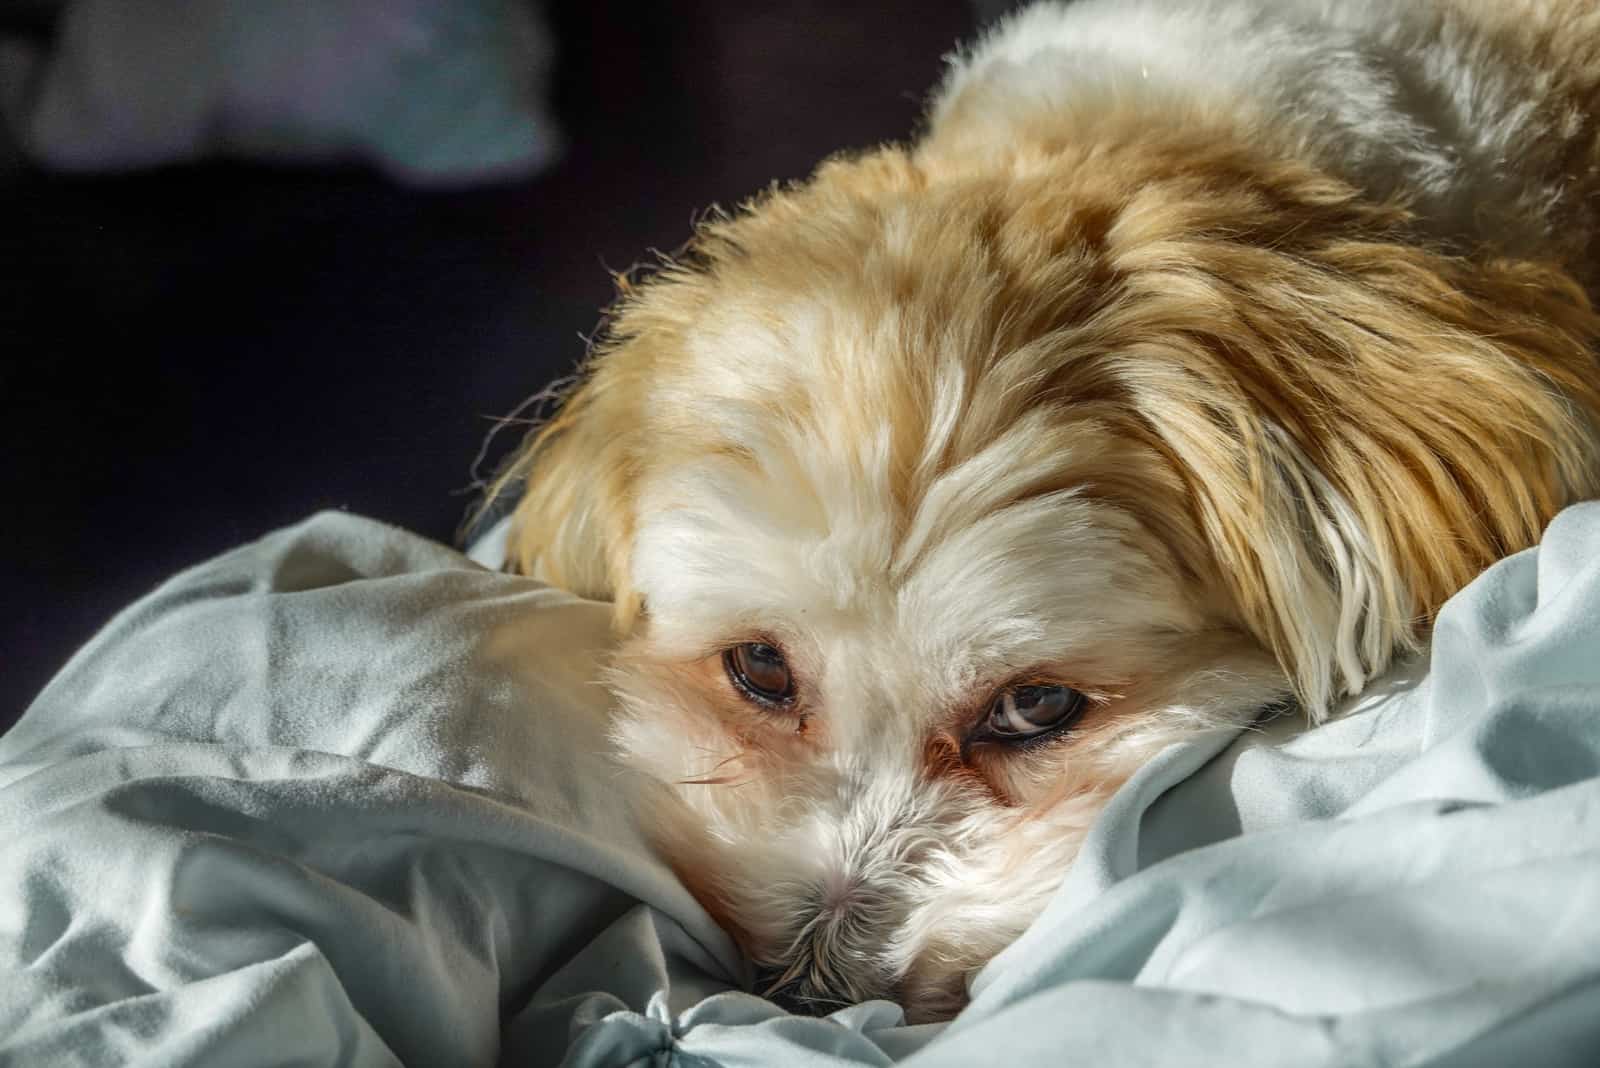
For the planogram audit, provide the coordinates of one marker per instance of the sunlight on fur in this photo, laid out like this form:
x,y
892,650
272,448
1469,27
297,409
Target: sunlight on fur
x,y
1187,364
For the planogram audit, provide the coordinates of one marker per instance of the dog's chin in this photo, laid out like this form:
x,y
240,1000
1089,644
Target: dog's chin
x,y
847,876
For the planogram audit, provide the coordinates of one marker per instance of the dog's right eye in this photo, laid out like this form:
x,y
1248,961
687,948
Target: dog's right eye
x,y
760,672
1025,712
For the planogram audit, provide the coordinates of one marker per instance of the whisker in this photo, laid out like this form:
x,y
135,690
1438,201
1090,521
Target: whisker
x,y
718,780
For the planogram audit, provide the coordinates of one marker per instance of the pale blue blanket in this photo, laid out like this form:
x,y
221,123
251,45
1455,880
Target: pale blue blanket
x,y
341,797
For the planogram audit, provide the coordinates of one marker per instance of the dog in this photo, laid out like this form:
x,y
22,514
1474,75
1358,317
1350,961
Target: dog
x,y
1185,364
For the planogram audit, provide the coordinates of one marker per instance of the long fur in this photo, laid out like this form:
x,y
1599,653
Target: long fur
x,y
1193,357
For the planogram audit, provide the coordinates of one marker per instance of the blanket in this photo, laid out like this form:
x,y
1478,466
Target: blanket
x,y
342,797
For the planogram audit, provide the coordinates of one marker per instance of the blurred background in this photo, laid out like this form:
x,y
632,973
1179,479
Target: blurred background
x,y
265,259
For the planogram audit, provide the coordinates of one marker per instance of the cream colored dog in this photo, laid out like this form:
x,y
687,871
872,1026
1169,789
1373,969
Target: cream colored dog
x,y
1195,355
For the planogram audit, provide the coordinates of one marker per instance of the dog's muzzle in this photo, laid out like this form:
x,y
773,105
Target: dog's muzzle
x,y
843,933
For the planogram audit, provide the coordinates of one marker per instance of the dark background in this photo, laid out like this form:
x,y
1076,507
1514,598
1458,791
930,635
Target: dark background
x,y
192,356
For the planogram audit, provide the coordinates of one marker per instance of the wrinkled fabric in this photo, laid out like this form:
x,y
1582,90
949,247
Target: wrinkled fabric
x,y
342,797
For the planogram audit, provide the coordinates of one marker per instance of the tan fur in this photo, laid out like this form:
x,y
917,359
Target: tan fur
x,y
1297,415
1178,294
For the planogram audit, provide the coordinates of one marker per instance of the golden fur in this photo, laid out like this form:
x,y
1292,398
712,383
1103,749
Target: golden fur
x,y
1298,415
1173,293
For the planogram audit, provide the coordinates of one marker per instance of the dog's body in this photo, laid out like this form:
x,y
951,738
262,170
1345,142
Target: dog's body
x,y
1192,359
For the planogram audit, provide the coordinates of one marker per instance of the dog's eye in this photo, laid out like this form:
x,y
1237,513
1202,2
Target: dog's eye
x,y
1027,711
760,671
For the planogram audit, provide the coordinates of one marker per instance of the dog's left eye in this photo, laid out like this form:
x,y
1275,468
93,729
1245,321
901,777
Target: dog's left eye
x,y
1029,711
761,672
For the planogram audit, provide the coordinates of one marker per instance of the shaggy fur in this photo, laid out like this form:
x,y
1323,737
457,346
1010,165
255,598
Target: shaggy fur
x,y
1194,356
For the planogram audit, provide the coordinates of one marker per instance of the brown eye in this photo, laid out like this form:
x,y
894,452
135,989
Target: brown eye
x,y
1031,711
761,672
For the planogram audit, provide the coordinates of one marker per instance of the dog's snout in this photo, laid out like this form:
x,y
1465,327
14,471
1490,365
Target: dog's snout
x,y
796,995
838,938
836,957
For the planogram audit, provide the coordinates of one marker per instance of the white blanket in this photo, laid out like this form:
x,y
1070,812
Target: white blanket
x,y
341,797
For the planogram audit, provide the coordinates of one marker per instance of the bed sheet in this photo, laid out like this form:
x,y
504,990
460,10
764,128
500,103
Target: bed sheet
x,y
341,797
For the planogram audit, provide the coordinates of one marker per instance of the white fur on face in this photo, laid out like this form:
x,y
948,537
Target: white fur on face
x,y
851,862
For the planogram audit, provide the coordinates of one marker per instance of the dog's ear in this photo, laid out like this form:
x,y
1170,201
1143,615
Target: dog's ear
x,y
573,524
1364,427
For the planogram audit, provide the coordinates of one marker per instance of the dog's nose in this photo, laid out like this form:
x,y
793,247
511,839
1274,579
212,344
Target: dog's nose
x,y
796,996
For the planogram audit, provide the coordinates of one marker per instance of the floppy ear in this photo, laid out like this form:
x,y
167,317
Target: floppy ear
x,y
573,525
1363,428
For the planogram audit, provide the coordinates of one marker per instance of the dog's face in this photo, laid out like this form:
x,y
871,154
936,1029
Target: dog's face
x,y
935,499
891,715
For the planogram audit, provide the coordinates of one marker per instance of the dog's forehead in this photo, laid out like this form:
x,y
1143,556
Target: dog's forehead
x,y
728,548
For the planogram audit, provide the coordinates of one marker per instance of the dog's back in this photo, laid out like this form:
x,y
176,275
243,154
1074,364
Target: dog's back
x,y
1478,114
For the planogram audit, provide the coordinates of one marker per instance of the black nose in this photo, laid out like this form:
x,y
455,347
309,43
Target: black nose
x,y
797,996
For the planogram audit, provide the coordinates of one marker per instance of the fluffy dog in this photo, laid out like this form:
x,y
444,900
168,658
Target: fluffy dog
x,y
1195,354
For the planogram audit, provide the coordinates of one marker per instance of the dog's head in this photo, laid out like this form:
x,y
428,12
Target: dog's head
x,y
936,498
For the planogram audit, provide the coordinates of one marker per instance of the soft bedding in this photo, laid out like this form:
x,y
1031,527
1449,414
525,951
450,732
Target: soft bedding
x,y
340,797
